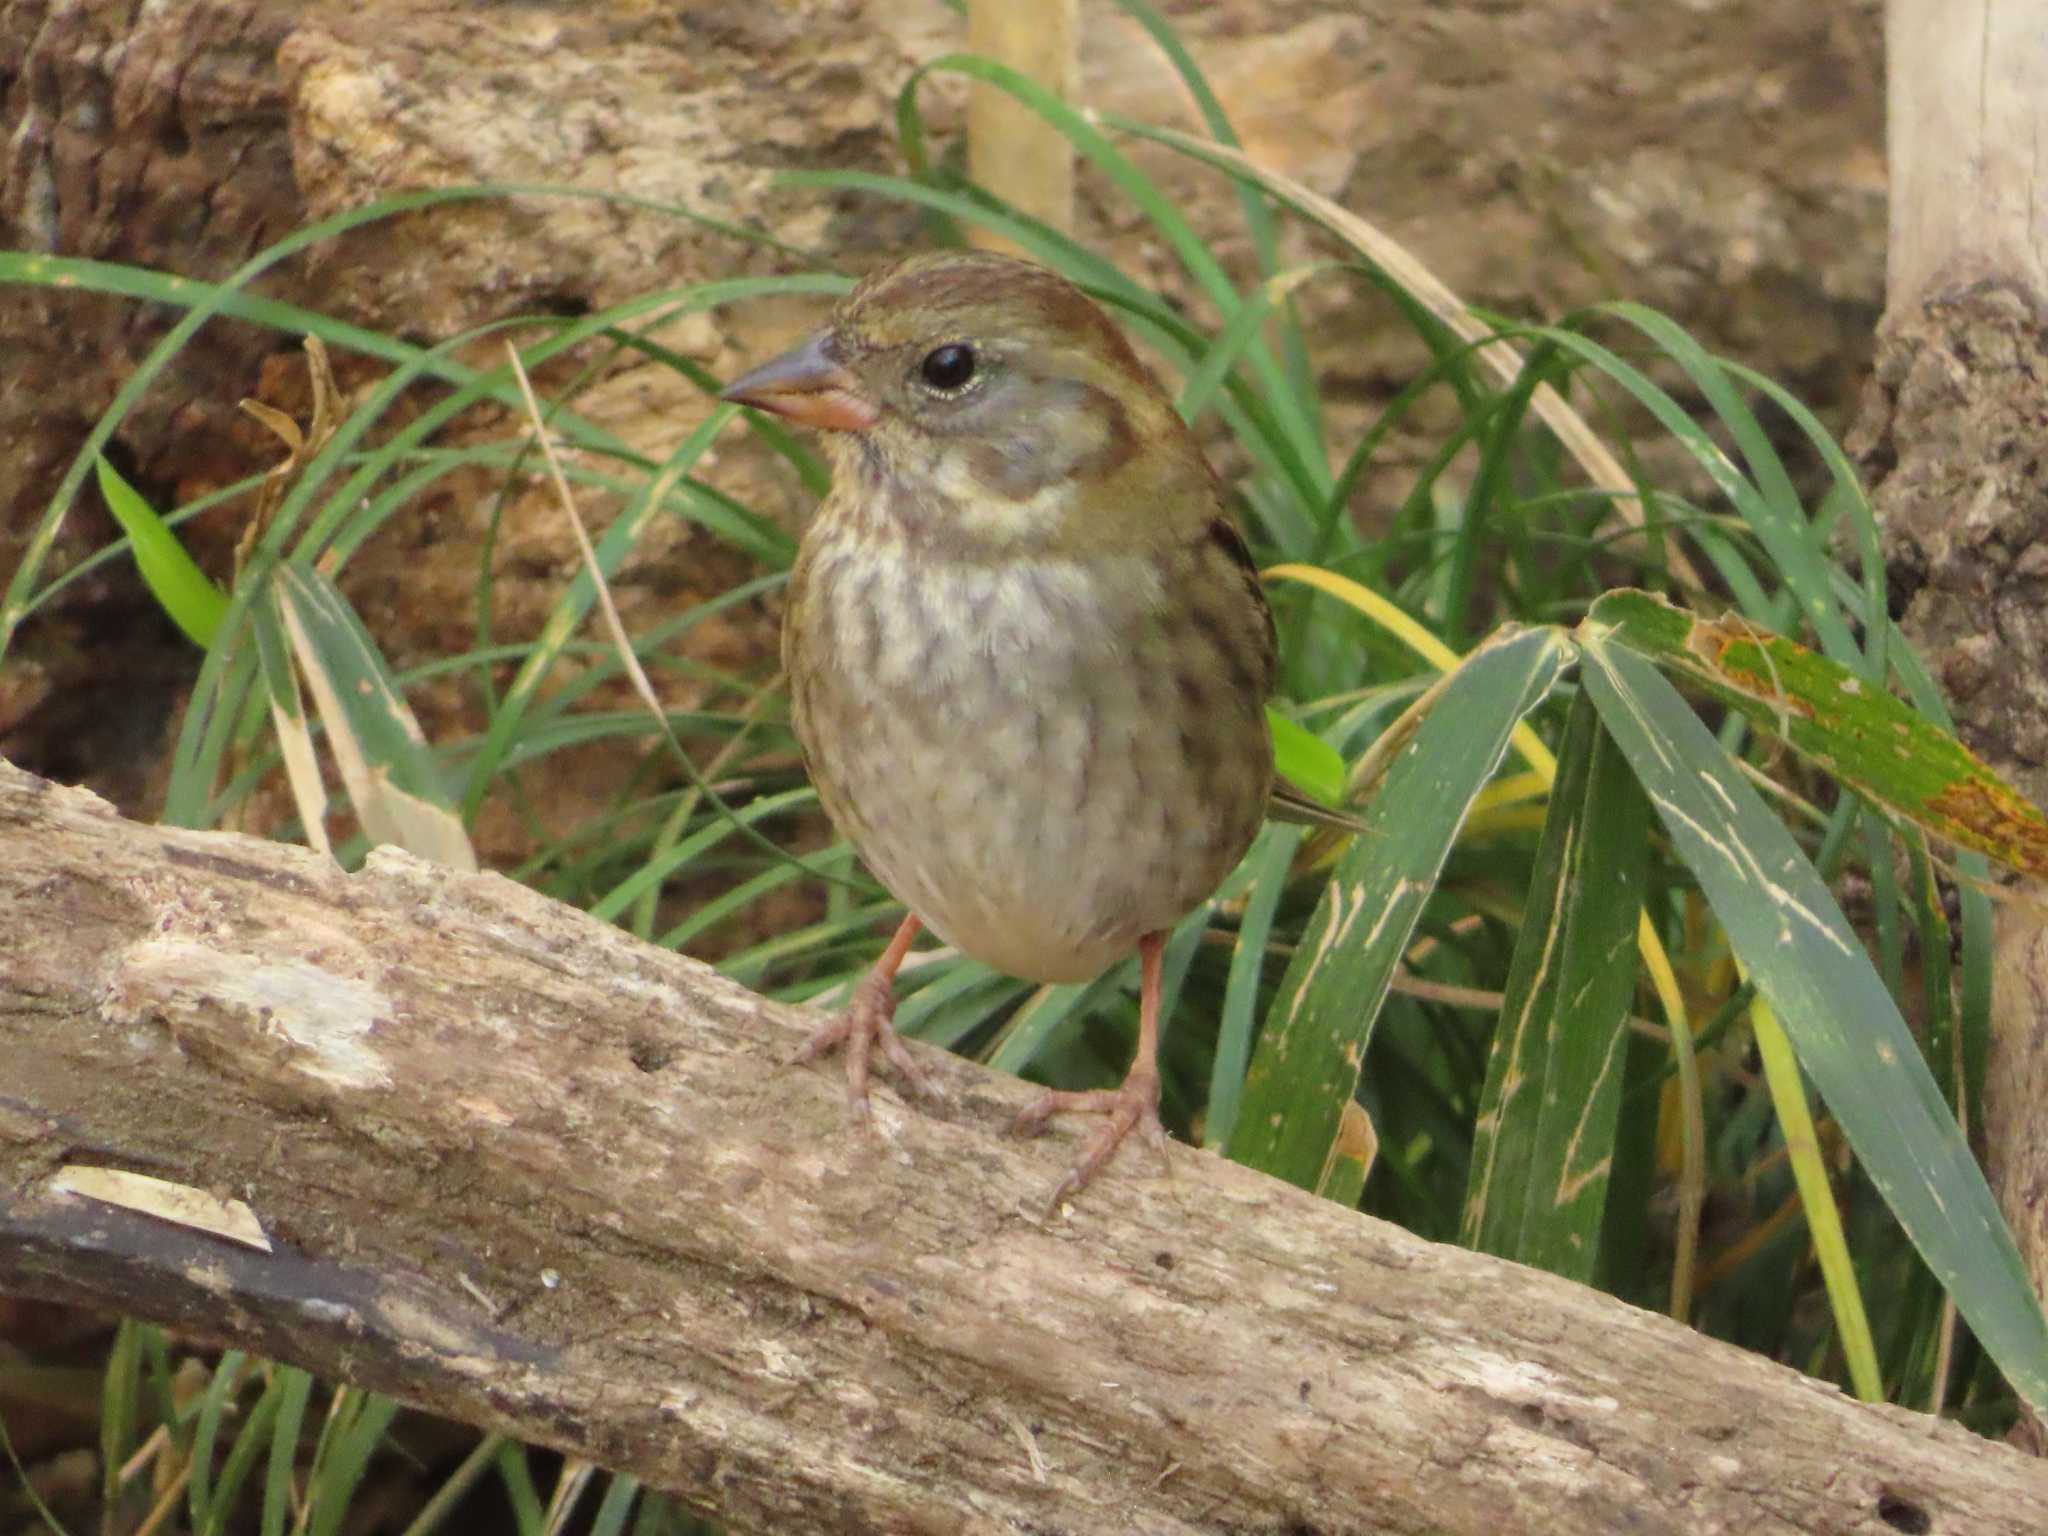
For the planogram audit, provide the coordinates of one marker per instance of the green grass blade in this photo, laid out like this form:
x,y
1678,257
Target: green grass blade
x,y
161,1388
1881,748
208,300
456,1485
77,573
1784,534
1026,1034
1784,926
284,1448
174,579
1259,222
27,1485
1817,1200
682,854
119,1394
206,1433
1266,866
752,965
1296,1120
253,1439
1887,908
1937,968
575,603
1243,330
393,776
32,269
616,1505
930,1008
1775,508
1882,636
1305,760
340,1470
516,1474
226,684
1544,1144
710,913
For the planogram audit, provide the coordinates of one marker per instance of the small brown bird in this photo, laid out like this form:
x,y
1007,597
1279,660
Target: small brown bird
x,y
1028,652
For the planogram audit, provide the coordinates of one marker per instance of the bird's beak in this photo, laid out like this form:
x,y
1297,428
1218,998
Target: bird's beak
x,y
809,386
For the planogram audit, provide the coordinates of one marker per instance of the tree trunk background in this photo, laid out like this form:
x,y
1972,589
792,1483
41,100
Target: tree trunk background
x,y
1953,440
1725,163
522,1170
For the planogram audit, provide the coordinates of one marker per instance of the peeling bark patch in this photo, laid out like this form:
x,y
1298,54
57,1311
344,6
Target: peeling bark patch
x,y
164,1200
327,1017
1525,1384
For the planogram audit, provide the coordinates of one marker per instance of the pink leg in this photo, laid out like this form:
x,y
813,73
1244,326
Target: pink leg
x,y
1130,1107
868,1020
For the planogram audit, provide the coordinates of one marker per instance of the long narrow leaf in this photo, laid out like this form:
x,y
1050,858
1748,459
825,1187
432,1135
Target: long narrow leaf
x,y
174,579
252,1441
118,1396
347,1458
206,1432
1785,928
1862,735
1817,1199
391,773
278,1489
1298,1118
1266,866
1544,1143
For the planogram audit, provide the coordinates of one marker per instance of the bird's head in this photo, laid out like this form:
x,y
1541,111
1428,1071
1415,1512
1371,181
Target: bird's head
x,y
992,387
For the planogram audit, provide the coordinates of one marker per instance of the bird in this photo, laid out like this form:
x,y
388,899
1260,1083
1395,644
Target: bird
x,y
1028,651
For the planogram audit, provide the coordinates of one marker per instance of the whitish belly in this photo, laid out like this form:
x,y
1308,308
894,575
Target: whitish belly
x,y
1030,767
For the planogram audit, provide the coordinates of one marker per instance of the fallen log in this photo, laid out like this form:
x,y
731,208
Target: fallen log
x,y
510,1165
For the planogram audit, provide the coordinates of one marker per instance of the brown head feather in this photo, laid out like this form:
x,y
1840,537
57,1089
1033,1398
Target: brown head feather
x,y
908,300
1064,424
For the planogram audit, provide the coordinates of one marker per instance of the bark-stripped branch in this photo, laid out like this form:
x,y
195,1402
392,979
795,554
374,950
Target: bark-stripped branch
x,y
520,1169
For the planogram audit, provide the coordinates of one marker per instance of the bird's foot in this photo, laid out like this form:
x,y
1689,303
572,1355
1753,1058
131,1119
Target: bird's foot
x,y
1132,1107
866,1022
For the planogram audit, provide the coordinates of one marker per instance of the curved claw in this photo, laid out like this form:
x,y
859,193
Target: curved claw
x,y
867,1021
1132,1106
1133,1103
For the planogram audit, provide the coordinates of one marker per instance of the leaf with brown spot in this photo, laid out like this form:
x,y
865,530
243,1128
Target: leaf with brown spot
x,y
1863,736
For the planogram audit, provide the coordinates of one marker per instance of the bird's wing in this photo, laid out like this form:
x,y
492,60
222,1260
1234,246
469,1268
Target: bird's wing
x,y
1224,535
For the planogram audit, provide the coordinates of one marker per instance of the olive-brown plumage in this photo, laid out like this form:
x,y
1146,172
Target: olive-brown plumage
x,y
1027,651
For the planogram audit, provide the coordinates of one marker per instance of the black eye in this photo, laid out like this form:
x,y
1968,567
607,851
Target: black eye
x,y
948,367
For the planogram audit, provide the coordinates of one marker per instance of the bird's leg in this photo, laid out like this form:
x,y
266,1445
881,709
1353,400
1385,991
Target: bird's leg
x,y
868,1020
1133,1105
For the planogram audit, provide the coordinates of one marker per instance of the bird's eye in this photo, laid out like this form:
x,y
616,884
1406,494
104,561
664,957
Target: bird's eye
x,y
949,367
